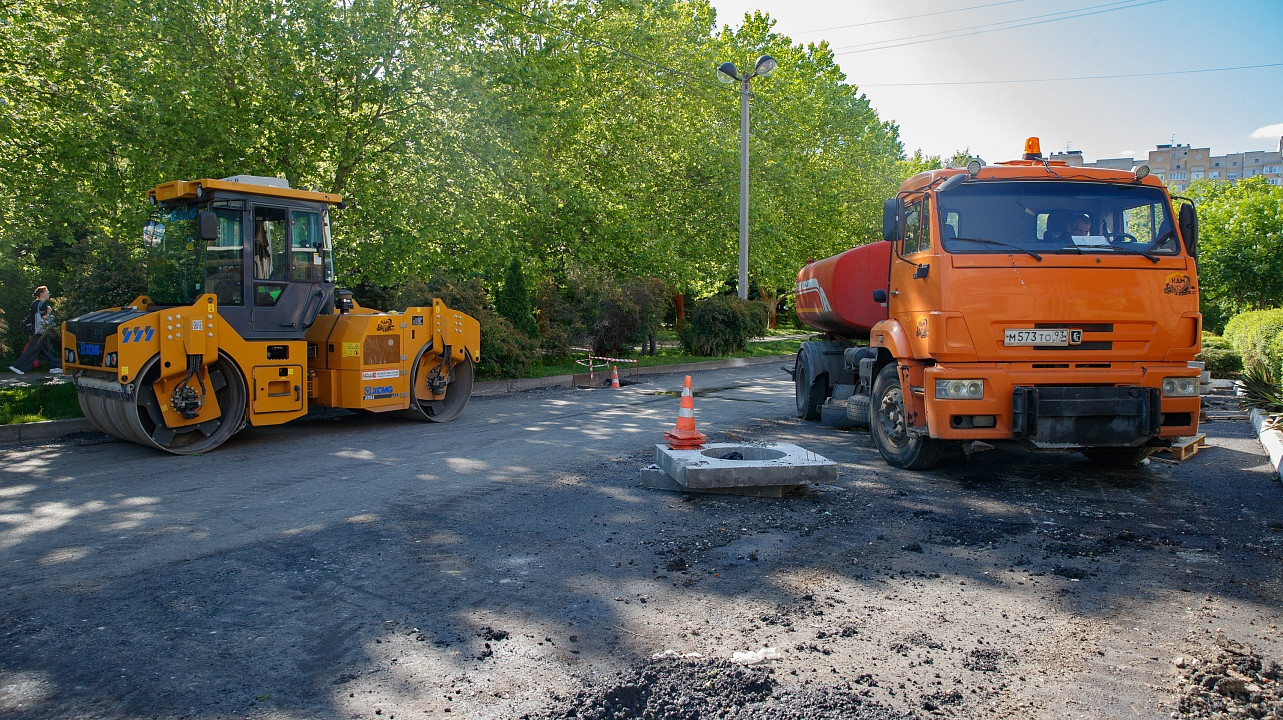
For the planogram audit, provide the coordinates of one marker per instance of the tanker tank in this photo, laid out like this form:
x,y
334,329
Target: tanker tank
x,y
835,294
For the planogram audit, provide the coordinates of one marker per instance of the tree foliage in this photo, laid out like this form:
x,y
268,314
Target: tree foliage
x,y
572,138
1240,245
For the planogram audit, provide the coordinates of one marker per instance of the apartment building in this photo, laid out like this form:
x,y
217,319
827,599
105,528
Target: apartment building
x,y
1179,165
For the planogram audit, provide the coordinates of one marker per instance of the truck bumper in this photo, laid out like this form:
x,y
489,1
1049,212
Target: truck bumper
x,y
1121,405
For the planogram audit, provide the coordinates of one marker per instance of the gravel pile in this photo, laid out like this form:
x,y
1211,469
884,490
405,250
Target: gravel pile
x,y
699,689
1237,683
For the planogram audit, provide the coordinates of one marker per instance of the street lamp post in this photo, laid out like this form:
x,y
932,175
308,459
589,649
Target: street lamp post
x,y
727,73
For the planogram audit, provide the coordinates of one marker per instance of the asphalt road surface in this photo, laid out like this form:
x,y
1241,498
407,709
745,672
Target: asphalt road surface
x,y
508,565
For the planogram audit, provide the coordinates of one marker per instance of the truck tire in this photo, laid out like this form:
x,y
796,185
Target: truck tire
x,y
810,390
890,430
857,410
1117,456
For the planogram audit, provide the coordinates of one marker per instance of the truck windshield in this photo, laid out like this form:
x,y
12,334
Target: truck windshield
x,y
1039,218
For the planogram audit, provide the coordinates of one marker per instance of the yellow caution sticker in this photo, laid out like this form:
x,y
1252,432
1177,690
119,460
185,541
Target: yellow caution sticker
x,y
351,349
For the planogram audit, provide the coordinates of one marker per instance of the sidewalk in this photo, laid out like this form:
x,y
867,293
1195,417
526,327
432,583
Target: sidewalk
x,y
25,433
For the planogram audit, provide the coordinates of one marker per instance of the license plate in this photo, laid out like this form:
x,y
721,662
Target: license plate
x,y
1057,337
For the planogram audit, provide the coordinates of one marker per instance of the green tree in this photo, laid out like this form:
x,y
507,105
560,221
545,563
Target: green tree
x,y
1240,245
513,301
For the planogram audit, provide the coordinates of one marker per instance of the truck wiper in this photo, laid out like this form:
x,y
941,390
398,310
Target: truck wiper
x,y
1150,256
1118,248
986,241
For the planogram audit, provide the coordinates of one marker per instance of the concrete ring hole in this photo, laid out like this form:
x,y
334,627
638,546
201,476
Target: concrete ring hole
x,y
746,452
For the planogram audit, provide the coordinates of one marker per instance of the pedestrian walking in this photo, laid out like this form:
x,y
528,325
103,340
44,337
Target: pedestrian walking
x,y
40,324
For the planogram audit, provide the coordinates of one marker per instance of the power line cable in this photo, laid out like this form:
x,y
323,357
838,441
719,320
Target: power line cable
x,y
992,27
909,17
1079,77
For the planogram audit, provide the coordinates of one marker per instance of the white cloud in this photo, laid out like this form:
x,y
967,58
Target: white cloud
x,y
1269,132
1127,153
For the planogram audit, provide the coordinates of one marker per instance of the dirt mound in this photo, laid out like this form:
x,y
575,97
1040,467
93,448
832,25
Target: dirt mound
x,y
1239,682
697,689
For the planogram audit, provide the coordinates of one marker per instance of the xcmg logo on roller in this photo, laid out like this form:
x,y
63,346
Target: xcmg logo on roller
x,y
139,334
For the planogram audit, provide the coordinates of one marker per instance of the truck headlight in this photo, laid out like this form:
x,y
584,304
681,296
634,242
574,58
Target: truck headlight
x,y
960,389
1180,387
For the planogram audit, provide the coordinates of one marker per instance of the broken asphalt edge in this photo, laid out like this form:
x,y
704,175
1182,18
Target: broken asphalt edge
x,y
36,432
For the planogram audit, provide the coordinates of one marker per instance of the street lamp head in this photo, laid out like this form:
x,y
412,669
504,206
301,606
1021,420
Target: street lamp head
x,y
727,73
765,66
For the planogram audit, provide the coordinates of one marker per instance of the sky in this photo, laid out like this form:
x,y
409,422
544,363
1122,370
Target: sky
x,y
1111,78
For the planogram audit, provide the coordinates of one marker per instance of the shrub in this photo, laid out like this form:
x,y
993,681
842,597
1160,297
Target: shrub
x,y
1258,337
1219,357
555,317
1261,389
101,274
504,351
628,315
1221,362
513,300
617,321
720,325
653,301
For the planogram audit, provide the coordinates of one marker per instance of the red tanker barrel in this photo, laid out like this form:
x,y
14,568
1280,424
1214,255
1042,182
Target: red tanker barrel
x,y
836,294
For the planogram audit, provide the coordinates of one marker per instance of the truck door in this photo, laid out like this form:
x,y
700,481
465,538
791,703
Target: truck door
x,y
292,272
915,281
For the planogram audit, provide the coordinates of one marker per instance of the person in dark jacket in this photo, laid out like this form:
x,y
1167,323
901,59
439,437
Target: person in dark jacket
x,y
40,345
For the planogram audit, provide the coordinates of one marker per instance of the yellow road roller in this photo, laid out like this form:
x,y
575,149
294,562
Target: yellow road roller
x,y
242,325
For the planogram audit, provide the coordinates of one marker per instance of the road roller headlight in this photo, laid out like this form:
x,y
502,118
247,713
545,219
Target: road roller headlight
x,y
1180,387
68,356
960,389
110,360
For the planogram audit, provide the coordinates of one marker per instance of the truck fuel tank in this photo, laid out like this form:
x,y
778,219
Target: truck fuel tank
x,y
836,294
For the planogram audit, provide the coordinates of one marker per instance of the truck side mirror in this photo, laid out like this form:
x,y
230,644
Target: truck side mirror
x,y
892,212
1188,220
208,225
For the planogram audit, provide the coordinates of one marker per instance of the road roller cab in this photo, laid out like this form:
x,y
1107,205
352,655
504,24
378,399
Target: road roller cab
x,y
240,326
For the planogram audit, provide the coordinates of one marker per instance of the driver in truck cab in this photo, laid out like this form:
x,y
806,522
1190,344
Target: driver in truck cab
x,y
1079,225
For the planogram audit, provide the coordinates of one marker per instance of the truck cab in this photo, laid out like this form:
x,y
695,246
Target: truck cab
x,y
1029,301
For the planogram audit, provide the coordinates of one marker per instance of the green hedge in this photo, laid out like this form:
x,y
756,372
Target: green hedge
x,y
1219,357
1258,336
722,325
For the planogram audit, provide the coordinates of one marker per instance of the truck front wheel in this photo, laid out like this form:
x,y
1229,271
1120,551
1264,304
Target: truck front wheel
x,y
890,427
808,389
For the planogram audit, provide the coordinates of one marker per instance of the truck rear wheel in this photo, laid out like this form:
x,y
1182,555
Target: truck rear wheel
x,y
808,389
890,427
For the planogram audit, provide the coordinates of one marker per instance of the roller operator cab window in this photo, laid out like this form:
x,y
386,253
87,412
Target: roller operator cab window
x,y
271,254
1057,217
310,248
181,266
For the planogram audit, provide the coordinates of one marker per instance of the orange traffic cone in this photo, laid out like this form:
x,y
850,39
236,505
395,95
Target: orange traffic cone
x,y
685,436
614,376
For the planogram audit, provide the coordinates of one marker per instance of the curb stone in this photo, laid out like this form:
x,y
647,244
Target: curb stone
x,y
1271,439
37,432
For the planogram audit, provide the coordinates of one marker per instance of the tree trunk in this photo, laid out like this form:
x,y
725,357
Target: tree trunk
x,y
772,301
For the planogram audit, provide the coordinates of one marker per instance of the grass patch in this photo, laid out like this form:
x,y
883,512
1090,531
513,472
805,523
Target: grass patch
x,y
55,401
663,356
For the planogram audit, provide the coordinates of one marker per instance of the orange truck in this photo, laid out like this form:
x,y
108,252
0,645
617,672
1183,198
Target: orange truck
x,y
1025,301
